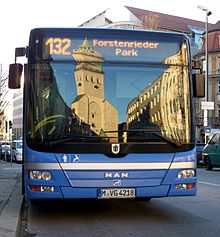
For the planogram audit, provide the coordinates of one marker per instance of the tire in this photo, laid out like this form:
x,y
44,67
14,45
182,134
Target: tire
x,y
35,202
207,163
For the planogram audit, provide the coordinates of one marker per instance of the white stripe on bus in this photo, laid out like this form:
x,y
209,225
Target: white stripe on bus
x,y
110,166
42,166
184,165
115,166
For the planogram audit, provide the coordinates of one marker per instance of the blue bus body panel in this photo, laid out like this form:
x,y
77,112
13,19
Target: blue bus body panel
x,y
159,191
83,175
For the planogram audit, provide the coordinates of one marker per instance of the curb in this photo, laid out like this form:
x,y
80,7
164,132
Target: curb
x,y
10,216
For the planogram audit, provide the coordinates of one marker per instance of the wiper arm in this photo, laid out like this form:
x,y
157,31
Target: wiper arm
x,y
178,144
134,130
79,138
149,131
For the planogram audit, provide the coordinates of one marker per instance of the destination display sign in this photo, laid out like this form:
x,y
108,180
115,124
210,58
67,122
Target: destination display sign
x,y
63,46
102,49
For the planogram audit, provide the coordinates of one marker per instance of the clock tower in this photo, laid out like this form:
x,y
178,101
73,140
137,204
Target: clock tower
x,y
90,104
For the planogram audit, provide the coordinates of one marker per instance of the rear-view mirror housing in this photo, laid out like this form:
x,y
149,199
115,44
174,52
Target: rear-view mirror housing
x,y
15,72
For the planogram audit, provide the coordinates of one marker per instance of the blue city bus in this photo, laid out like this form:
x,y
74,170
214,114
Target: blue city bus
x,y
107,114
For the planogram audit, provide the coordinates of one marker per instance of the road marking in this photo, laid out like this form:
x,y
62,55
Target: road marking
x,y
211,184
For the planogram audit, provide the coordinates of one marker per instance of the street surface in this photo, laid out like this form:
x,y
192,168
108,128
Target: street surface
x,y
177,216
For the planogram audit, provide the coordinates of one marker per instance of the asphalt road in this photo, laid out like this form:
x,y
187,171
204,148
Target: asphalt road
x,y
177,216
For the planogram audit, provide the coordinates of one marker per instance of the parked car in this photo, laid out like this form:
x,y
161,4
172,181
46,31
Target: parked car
x,y
211,152
17,148
199,149
5,151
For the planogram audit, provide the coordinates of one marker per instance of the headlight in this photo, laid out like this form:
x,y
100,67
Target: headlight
x,y
46,176
40,175
35,174
183,174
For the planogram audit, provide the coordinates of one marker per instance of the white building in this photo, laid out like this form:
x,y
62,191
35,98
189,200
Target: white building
x,y
17,128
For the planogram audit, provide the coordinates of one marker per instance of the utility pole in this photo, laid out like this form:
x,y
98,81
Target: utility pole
x,y
205,115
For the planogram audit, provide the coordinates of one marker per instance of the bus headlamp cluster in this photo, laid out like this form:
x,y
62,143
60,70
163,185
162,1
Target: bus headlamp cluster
x,y
39,175
183,174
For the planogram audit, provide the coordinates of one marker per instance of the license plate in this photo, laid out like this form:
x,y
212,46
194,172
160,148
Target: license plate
x,y
117,193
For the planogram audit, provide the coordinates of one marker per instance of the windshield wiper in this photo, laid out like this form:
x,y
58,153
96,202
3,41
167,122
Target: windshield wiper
x,y
105,139
168,140
152,131
80,138
148,130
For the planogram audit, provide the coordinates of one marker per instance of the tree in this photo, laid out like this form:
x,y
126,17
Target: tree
x,y
151,21
3,102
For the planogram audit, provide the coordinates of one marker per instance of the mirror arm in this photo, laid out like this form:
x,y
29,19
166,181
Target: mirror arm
x,y
20,52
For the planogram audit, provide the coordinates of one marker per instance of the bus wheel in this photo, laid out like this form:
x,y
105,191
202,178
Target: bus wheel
x,y
207,163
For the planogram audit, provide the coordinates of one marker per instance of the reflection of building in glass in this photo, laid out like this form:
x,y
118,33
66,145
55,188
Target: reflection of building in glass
x,y
175,107
90,105
165,102
144,110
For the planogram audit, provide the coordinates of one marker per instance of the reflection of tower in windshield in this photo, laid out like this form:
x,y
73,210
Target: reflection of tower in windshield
x,y
90,104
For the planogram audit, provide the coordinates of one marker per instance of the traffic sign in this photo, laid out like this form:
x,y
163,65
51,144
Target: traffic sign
x,y
209,105
208,129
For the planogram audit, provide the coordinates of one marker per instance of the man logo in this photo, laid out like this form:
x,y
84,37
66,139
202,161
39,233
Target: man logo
x,y
115,148
116,175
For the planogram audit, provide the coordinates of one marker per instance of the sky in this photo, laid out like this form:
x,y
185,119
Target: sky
x,y
18,17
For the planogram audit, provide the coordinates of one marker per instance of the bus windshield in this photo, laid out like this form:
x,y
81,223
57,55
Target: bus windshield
x,y
89,96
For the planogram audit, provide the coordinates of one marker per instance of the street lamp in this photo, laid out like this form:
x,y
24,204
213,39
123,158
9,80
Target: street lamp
x,y
208,13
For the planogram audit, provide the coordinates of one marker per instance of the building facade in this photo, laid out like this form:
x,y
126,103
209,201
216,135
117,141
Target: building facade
x,y
164,22
213,91
17,123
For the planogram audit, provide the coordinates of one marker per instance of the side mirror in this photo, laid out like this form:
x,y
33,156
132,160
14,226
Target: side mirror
x,y
198,85
15,72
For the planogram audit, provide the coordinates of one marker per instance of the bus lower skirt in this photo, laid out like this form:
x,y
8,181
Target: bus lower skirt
x,y
159,191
